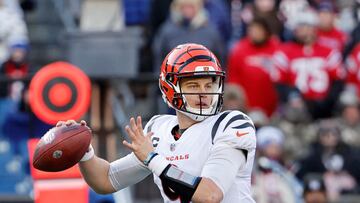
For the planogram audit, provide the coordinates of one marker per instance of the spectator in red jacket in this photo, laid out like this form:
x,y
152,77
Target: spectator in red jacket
x,y
16,67
328,34
250,66
353,68
309,70
265,9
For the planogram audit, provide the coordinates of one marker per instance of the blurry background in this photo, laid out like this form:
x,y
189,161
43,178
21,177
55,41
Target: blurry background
x,y
292,65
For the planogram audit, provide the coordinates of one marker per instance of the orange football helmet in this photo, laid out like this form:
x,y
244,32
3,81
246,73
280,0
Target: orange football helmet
x,y
191,61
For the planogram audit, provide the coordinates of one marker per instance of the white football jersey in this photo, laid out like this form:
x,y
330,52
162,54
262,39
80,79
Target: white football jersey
x,y
192,150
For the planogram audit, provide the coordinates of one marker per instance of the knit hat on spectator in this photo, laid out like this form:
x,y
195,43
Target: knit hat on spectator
x,y
329,125
269,135
307,17
326,6
349,97
259,117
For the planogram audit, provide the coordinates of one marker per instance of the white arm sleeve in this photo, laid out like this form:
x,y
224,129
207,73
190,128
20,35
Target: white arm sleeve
x,y
127,171
223,165
232,145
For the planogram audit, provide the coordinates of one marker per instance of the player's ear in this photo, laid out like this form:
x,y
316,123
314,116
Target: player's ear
x,y
82,122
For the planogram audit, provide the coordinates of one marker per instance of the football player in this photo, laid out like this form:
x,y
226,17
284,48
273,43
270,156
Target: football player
x,y
199,155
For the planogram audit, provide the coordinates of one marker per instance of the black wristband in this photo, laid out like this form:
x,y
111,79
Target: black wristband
x,y
177,183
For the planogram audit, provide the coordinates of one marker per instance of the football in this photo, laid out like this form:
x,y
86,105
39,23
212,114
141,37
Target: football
x,y
62,147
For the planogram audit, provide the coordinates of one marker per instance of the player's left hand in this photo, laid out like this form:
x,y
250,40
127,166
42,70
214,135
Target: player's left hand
x,y
140,144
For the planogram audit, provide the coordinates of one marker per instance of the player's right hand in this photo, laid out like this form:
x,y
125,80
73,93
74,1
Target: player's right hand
x,y
140,144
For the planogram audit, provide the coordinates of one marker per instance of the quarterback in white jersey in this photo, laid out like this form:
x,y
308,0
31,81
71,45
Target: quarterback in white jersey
x,y
195,151
199,155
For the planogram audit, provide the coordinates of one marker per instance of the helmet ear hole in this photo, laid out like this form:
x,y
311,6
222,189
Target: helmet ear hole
x,y
178,102
169,78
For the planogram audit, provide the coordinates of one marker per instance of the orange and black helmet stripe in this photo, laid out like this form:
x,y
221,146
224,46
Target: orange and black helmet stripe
x,y
195,58
182,54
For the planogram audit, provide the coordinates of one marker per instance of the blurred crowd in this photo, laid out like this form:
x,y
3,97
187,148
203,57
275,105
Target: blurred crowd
x,y
292,65
16,121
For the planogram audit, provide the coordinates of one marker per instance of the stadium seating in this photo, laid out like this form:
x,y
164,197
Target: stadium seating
x,y
13,173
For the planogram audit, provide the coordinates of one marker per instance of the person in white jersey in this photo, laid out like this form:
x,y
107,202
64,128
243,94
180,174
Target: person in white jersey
x,y
199,155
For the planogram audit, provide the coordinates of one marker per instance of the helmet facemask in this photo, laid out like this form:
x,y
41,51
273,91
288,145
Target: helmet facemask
x,y
214,93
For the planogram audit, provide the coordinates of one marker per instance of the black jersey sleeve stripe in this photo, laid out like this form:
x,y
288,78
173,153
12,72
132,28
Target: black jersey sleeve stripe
x,y
152,123
245,125
235,118
216,125
245,152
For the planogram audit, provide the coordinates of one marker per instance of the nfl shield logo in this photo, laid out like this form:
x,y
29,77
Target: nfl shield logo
x,y
172,147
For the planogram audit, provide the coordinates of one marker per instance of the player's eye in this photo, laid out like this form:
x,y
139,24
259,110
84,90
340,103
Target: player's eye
x,y
192,86
210,86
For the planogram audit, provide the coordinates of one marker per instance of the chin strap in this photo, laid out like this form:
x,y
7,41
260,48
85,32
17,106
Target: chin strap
x,y
193,116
